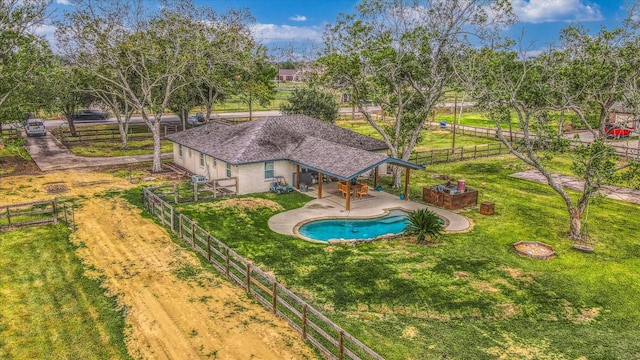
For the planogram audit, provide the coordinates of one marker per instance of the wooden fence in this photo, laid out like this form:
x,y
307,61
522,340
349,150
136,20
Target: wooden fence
x,y
36,213
10,135
330,339
135,132
201,190
458,154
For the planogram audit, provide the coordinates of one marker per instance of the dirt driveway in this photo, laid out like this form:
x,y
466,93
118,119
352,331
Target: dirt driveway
x,y
175,309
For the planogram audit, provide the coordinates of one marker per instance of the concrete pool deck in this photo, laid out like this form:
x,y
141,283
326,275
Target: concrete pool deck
x,y
332,205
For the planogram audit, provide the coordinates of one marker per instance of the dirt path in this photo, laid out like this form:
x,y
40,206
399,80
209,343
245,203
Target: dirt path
x,y
174,308
610,191
50,155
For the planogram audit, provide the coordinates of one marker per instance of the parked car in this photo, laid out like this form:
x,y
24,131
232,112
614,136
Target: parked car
x,y
35,127
88,114
617,131
197,119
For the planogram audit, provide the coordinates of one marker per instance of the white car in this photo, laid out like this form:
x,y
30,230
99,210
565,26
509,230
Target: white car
x,y
35,127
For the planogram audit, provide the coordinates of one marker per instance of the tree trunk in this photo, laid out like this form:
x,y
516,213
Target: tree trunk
x,y
155,129
72,125
575,229
122,128
397,177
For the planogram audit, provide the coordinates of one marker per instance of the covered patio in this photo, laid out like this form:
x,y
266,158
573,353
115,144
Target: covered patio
x,y
345,164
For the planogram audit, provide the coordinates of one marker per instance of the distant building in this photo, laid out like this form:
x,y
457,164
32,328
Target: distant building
x,y
290,75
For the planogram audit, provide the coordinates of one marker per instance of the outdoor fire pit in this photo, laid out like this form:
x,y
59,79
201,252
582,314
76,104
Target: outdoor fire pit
x,y
534,249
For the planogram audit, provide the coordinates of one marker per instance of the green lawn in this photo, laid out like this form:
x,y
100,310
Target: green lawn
x,y
50,310
470,296
112,148
431,138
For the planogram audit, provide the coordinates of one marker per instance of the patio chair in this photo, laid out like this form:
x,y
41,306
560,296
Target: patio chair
x,y
343,189
364,191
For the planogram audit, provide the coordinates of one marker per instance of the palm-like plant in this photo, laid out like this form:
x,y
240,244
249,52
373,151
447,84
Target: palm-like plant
x,y
424,224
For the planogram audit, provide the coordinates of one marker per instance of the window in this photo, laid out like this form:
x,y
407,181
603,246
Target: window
x,y
202,159
268,170
228,170
189,152
179,150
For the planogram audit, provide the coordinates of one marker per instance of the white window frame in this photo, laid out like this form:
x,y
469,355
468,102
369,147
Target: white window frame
x,y
180,150
228,170
272,170
202,162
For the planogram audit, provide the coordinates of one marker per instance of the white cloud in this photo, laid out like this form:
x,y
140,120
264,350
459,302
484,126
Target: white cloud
x,y
298,18
541,11
63,2
272,32
45,31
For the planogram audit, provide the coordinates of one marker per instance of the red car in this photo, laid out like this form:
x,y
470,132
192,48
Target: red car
x,y
617,131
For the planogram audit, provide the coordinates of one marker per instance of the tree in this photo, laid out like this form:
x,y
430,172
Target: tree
x,y
397,53
134,52
584,78
257,83
224,52
424,224
150,56
313,102
67,91
23,56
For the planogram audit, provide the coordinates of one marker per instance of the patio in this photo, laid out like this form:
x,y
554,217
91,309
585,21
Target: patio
x,y
332,204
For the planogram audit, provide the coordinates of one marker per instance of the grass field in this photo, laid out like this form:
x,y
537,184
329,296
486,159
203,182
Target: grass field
x,y
50,310
470,296
112,148
430,139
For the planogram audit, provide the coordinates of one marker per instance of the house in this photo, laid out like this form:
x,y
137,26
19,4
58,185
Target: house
x,y
290,75
622,114
256,151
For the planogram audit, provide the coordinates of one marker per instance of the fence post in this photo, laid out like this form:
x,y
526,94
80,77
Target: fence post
x,y
475,151
173,228
195,191
341,345
461,153
54,211
180,225
8,216
193,234
209,247
304,321
175,193
66,221
249,278
275,297
226,270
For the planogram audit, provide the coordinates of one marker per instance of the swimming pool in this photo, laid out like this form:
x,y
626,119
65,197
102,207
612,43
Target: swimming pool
x,y
393,222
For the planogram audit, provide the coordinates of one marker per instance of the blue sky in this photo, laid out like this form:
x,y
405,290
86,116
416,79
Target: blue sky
x,y
281,22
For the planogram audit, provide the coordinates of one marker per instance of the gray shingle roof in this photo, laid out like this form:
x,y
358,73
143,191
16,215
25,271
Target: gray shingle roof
x,y
299,138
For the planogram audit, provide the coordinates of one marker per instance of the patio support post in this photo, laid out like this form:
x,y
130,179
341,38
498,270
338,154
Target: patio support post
x,y
347,205
298,177
375,178
407,172
319,185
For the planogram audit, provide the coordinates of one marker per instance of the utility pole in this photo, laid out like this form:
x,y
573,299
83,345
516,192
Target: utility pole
x,y
455,112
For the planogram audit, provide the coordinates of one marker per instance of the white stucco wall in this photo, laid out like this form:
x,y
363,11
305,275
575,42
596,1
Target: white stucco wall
x,y
251,176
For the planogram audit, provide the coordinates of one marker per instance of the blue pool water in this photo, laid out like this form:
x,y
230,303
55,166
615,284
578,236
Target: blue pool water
x,y
355,229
